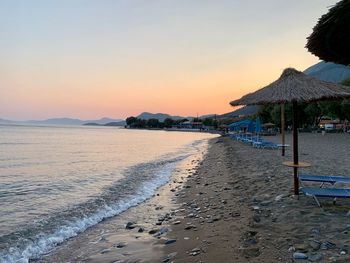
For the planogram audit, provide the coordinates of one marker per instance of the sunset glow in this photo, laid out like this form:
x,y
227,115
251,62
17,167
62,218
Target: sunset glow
x,y
89,59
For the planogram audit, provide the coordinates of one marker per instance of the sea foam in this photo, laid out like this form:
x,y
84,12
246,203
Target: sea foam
x,y
42,244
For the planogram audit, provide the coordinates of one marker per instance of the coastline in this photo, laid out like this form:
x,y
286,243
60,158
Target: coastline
x,y
235,205
177,130
133,235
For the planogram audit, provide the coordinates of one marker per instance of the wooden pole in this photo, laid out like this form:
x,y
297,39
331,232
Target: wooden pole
x,y
283,129
295,147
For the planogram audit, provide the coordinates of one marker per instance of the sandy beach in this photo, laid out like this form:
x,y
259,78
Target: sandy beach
x,y
240,207
235,205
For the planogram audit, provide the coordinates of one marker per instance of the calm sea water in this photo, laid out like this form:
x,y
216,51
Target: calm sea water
x,y
55,182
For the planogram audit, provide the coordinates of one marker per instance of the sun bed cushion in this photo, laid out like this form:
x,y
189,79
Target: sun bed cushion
x,y
324,179
326,192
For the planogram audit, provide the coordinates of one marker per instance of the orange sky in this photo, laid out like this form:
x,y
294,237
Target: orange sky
x,y
91,59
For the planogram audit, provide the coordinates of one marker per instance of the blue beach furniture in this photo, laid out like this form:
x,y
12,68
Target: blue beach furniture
x,y
325,192
331,179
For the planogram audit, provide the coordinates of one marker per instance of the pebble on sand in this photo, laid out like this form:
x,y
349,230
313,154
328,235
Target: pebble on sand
x,y
130,225
169,241
120,245
299,255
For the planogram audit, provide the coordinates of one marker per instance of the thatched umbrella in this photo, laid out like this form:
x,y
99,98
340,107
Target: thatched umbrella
x,y
330,39
294,86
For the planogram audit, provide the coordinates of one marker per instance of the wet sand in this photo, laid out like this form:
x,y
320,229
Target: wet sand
x,y
236,205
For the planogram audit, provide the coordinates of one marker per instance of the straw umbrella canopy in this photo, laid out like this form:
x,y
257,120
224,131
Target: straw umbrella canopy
x,y
330,39
294,86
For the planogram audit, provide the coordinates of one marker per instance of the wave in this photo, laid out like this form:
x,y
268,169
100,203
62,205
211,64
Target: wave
x,y
139,184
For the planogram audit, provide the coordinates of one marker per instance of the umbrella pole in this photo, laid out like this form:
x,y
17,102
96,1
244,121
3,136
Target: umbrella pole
x,y
282,129
295,147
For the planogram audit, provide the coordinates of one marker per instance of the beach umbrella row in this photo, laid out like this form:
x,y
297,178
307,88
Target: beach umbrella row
x,y
330,41
294,87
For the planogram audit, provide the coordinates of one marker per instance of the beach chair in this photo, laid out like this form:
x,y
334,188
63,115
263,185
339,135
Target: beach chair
x,y
250,140
247,139
325,192
330,179
257,144
240,137
256,141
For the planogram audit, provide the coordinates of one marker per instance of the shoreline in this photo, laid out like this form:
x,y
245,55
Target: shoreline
x,y
234,205
176,130
133,235
212,224
240,206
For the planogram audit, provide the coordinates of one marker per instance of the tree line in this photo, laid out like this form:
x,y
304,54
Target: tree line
x,y
310,114
134,122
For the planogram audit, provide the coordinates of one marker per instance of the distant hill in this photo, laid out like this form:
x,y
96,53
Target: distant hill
x,y
329,72
115,123
62,121
247,111
244,111
3,121
162,116
159,116
57,121
105,120
207,116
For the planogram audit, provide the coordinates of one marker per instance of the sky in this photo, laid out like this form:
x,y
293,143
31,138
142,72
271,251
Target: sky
x,y
117,58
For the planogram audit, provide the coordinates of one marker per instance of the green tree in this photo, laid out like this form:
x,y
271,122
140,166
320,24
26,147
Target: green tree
x,y
265,113
153,123
309,114
131,120
210,122
168,122
346,82
139,123
314,113
346,104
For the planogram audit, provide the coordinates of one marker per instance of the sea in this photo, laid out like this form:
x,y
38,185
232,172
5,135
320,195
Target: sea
x,y
58,181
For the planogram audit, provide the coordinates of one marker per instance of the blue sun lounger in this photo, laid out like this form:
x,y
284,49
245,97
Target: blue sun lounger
x,y
324,179
325,192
